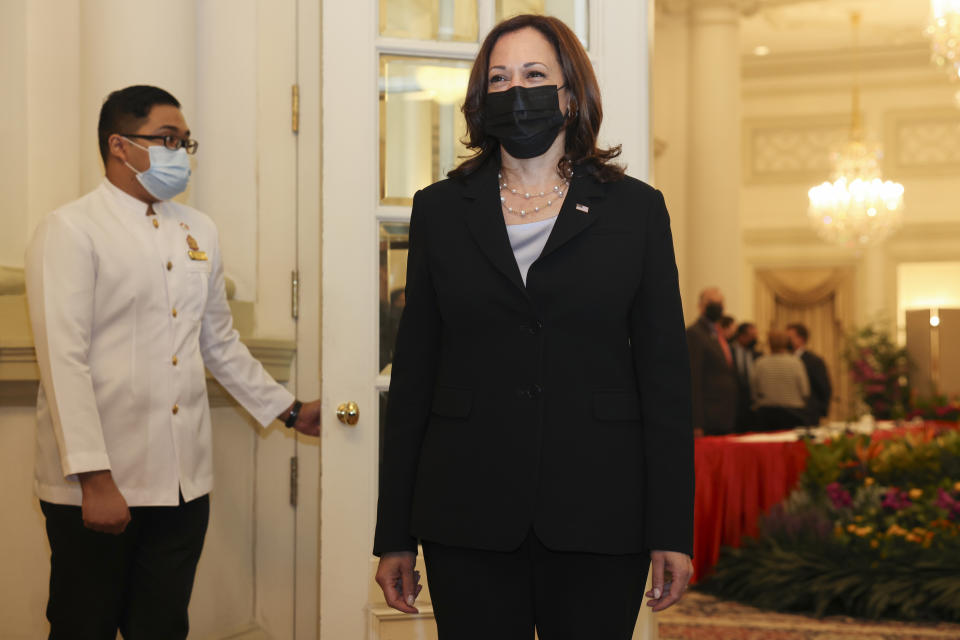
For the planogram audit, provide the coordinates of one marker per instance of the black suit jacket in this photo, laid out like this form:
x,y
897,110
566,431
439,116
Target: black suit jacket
x,y
746,418
820,388
562,405
714,381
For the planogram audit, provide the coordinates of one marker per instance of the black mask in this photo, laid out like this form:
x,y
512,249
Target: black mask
x,y
526,121
713,311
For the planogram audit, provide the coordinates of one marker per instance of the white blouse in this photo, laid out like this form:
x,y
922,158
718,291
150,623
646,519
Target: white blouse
x,y
528,240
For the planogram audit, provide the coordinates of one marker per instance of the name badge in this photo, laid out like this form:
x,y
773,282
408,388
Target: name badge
x,y
197,255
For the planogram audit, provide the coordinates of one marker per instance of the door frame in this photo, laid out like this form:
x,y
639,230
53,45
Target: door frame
x,y
346,155
307,540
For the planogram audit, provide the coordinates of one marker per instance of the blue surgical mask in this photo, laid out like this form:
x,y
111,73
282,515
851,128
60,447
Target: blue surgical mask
x,y
168,174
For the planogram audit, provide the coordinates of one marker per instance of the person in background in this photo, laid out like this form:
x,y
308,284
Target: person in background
x,y
713,377
728,328
538,439
744,349
128,305
821,391
780,387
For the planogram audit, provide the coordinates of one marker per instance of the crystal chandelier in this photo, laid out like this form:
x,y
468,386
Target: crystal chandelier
x,y
857,207
944,34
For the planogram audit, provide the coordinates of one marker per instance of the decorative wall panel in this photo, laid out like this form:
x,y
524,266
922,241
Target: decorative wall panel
x,y
791,150
922,142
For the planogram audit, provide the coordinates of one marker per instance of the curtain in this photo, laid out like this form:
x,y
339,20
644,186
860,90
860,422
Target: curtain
x,y
821,299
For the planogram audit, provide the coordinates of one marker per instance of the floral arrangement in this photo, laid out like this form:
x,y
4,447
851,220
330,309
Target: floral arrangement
x,y
938,407
878,368
872,530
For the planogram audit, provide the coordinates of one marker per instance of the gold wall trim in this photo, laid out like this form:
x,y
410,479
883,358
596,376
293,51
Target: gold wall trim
x,y
20,376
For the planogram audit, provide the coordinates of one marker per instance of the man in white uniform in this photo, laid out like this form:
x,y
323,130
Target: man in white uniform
x,y
128,304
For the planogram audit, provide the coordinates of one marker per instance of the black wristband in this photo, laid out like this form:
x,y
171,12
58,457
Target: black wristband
x,y
294,412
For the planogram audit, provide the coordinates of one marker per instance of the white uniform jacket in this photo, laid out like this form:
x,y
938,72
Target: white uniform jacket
x,y
126,310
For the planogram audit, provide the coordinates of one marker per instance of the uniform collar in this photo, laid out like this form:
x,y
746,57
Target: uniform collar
x,y
125,200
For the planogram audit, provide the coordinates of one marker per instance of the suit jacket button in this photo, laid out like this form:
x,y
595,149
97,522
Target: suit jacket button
x,y
535,390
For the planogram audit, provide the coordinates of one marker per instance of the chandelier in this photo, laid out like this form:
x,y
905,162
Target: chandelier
x,y
857,207
944,34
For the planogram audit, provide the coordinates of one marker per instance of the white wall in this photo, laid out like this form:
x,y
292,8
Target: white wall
x,y
13,115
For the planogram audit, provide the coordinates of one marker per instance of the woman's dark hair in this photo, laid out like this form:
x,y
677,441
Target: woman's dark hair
x,y
125,110
583,117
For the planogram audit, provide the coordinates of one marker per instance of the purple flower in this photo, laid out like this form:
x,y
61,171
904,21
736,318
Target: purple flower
x,y
839,496
948,502
806,524
896,499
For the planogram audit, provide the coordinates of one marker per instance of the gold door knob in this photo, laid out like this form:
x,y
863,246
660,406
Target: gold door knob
x,y
348,413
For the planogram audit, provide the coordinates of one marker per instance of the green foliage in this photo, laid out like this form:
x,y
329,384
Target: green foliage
x,y
830,580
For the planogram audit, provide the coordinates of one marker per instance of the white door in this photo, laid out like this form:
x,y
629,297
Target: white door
x,y
394,74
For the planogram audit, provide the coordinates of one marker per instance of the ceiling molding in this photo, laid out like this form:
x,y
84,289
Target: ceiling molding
x,y
946,230
914,55
745,7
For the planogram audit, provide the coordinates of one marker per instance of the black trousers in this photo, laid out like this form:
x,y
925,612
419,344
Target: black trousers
x,y
138,582
487,595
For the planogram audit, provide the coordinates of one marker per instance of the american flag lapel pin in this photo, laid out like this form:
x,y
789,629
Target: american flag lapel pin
x,y
582,208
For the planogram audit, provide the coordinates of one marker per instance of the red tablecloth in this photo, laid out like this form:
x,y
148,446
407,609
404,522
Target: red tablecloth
x,y
736,483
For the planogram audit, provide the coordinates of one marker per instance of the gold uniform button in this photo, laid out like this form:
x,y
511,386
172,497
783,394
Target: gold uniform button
x,y
156,223
176,409
169,266
175,361
174,312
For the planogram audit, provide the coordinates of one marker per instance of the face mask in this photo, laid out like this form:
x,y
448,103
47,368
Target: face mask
x,y
526,121
713,311
168,174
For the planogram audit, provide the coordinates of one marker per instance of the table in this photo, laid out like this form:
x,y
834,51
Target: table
x,y
738,479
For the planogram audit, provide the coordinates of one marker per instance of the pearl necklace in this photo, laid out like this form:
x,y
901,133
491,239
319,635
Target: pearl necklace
x,y
556,194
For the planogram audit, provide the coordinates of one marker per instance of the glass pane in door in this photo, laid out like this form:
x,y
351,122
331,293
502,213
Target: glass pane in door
x,y
445,20
421,126
574,13
393,279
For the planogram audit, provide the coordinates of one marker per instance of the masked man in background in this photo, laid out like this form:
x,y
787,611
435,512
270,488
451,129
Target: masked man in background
x,y
712,370
127,303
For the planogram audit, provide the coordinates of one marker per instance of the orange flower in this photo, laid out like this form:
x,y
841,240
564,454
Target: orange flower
x,y
916,494
874,543
913,538
851,528
896,530
868,453
868,481
956,487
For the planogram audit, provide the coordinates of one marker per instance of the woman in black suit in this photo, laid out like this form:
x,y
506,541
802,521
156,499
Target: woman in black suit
x,y
538,439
